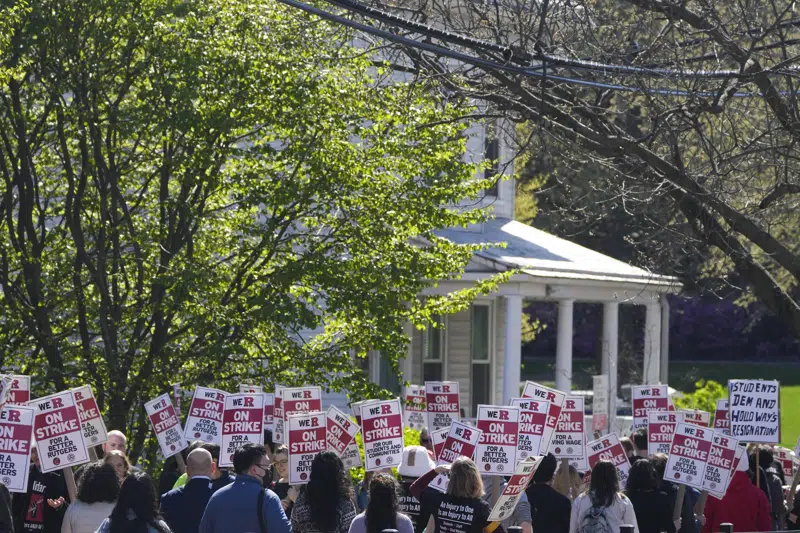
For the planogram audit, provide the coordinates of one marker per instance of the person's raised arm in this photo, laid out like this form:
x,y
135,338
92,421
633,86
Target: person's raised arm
x,y
419,486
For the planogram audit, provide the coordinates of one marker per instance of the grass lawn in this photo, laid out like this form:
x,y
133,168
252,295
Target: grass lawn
x,y
683,376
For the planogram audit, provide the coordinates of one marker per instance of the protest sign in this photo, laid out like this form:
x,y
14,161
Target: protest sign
x,y
307,437
414,415
660,429
242,422
608,448
383,434
514,489
205,415
341,430
92,424
5,389
646,398
251,389
277,413
437,438
721,422
753,410
599,402
689,455
461,440
166,425
20,392
496,453
356,408
442,403
352,456
721,464
556,399
569,441
269,411
698,418
532,421
57,431
301,400
785,457
16,436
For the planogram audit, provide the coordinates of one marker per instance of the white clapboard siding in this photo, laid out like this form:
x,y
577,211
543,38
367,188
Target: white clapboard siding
x,y
459,358
498,358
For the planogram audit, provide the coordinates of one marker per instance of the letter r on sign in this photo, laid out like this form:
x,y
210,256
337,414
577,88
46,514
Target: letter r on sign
x,y
57,403
79,396
386,409
248,402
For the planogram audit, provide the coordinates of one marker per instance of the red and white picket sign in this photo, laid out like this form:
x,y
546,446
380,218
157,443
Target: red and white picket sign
x,y
277,413
556,399
569,440
307,437
696,417
442,404
269,411
383,434
92,424
20,391
352,456
356,408
16,428
532,421
341,430
721,464
166,424
242,422
660,429
646,398
514,489
496,453
786,459
461,441
415,411
689,455
437,439
205,415
301,400
251,389
608,448
721,422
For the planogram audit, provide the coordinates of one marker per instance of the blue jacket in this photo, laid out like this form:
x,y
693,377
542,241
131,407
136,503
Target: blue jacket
x,y
232,509
182,508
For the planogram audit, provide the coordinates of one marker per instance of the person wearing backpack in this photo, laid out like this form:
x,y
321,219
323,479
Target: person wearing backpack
x,y
603,509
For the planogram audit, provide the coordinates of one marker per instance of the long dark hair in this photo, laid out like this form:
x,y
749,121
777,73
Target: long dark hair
x,y
383,505
136,496
605,484
99,483
642,477
327,488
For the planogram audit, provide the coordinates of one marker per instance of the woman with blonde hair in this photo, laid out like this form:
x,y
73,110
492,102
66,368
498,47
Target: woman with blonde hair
x,y
120,462
464,494
570,485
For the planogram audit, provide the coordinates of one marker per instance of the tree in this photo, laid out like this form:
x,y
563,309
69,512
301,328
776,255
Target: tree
x,y
190,188
688,105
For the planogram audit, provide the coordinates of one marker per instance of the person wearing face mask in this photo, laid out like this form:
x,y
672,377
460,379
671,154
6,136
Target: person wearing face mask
x,y
41,509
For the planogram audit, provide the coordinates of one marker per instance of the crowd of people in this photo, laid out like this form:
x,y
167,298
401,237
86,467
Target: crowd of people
x,y
114,496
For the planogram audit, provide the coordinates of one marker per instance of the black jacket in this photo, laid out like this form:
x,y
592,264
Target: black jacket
x,y
183,508
551,509
30,510
653,511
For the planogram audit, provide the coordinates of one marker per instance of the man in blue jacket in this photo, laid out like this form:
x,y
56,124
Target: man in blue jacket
x,y
245,506
182,508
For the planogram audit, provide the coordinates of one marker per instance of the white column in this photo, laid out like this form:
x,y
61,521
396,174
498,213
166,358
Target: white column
x,y
652,343
564,346
408,361
512,353
610,357
664,339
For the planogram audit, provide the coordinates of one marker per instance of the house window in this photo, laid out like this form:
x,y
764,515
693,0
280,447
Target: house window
x,y
491,153
433,351
481,346
387,378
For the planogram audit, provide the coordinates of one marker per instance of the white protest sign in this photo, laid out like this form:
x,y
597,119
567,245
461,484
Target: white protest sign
x,y
569,441
698,418
753,410
437,439
57,430
532,421
383,434
92,424
205,415
5,388
277,413
556,399
20,391
514,489
341,430
415,409
307,437
646,398
660,429
461,440
242,422
496,453
301,400
689,455
269,411
16,430
608,448
442,401
251,389
352,456
166,425
721,421
356,408
599,402
785,457
721,464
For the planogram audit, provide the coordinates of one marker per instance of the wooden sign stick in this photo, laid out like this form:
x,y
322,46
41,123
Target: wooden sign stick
x,y
700,507
676,513
72,488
